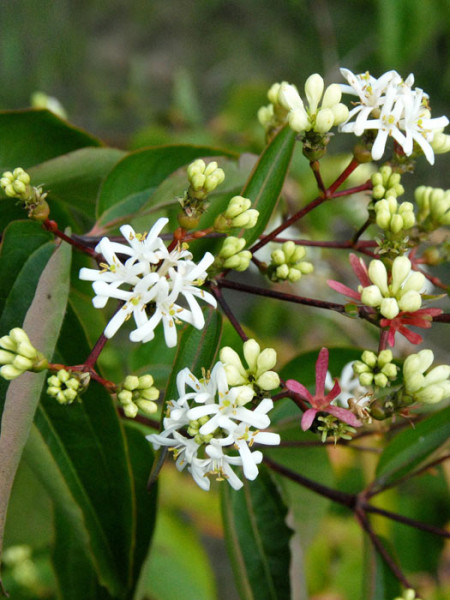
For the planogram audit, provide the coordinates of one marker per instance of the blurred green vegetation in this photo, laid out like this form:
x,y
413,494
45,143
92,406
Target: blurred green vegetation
x,y
119,66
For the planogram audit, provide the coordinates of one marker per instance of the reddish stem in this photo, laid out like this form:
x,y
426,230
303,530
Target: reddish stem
x,y
315,166
216,292
52,226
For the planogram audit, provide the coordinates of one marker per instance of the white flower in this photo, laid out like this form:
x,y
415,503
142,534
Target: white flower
x,y
391,106
214,422
150,283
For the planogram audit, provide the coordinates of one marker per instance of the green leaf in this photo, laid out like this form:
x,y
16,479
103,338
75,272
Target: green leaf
x,y
266,181
411,447
258,539
178,566
130,185
33,136
23,393
74,179
20,240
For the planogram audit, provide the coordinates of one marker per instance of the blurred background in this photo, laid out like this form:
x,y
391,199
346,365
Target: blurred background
x,y
144,72
136,72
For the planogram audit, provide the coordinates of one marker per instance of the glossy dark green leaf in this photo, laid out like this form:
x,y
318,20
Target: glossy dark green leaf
x,y
74,178
23,393
20,240
30,137
130,185
411,447
266,181
258,539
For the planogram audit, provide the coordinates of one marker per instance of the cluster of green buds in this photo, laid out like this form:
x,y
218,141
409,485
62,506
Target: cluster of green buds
x,y
203,179
378,370
434,206
193,430
66,386
138,393
16,184
394,217
331,427
287,263
313,118
275,114
237,214
22,567
386,184
19,355
401,293
258,378
429,388
232,255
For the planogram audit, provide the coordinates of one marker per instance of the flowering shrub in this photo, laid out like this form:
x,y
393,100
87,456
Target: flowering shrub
x,y
225,412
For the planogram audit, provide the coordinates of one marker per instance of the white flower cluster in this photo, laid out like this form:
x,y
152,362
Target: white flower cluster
x,y
207,421
392,107
402,293
150,283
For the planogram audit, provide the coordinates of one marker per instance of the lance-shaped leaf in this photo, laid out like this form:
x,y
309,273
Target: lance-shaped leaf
x,y
135,178
23,393
266,180
258,539
33,136
411,447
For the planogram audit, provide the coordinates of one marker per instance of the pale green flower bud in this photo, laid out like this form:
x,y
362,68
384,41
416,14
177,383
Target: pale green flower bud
x,y
247,219
332,95
390,370
268,381
370,358
131,382
251,352
415,281
396,224
70,395
273,92
293,275
377,179
245,394
305,267
432,394
324,120
409,220
9,372
130,410
237,206
7,343
22,363
340,112
27,350
125,397
198,166
359,367
299,120
234,375
384,357
389,308
378,275
146,406
371,295
63,375
210,168
231,246
366,379
151,393
198,181
265,115
282,271
266,361
145,381
298,253
228,356
401,268
73,384
437,375
410,302
440,143
378,191
278,257
6,357
18,335
383,219
288,97
314,89
380,380
414,382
